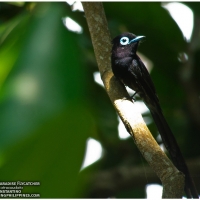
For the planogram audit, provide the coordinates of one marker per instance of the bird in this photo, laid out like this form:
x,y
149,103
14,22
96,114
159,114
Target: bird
x,y
128,68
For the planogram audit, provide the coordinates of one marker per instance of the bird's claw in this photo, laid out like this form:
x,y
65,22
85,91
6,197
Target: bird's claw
x,y
133,97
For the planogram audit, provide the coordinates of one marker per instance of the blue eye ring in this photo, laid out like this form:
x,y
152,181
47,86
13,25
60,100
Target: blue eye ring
x,y
124,41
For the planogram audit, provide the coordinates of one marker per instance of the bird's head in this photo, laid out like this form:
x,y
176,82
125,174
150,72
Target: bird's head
x,y
126,43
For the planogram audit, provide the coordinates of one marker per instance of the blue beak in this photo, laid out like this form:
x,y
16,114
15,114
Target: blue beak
x,y
138,38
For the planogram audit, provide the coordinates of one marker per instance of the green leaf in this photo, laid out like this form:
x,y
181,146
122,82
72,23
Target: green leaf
x,y
44,119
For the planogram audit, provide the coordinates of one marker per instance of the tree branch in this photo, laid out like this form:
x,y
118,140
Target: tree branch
x,y
108,182
171,178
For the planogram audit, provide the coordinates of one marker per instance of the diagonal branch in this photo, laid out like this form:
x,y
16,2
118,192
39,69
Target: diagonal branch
x,y
171,178
108,182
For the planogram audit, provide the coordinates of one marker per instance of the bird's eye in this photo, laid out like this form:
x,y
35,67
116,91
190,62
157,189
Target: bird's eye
x,y
124,41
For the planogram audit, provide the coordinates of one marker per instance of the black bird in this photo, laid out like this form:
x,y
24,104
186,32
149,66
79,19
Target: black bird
x,y
130,70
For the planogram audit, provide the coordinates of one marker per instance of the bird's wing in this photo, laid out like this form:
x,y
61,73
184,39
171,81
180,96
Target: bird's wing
x,y
144,82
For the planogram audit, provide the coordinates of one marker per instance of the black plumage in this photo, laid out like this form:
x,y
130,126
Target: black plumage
x,y
130,70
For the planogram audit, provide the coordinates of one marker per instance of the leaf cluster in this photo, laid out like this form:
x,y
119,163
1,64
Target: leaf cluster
x,y
50,104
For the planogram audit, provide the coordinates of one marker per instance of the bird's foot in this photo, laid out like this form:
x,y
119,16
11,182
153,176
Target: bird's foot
x,y
133,97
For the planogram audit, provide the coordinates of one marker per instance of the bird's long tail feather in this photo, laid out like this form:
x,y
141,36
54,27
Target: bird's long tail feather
x,y
174,151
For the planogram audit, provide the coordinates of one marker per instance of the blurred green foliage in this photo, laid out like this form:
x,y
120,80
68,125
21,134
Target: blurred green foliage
x,y
50,104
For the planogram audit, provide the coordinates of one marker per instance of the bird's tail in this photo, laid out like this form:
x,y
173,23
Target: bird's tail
x,y
174,151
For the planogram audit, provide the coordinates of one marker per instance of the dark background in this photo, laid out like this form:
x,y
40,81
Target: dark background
x,y
50,104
